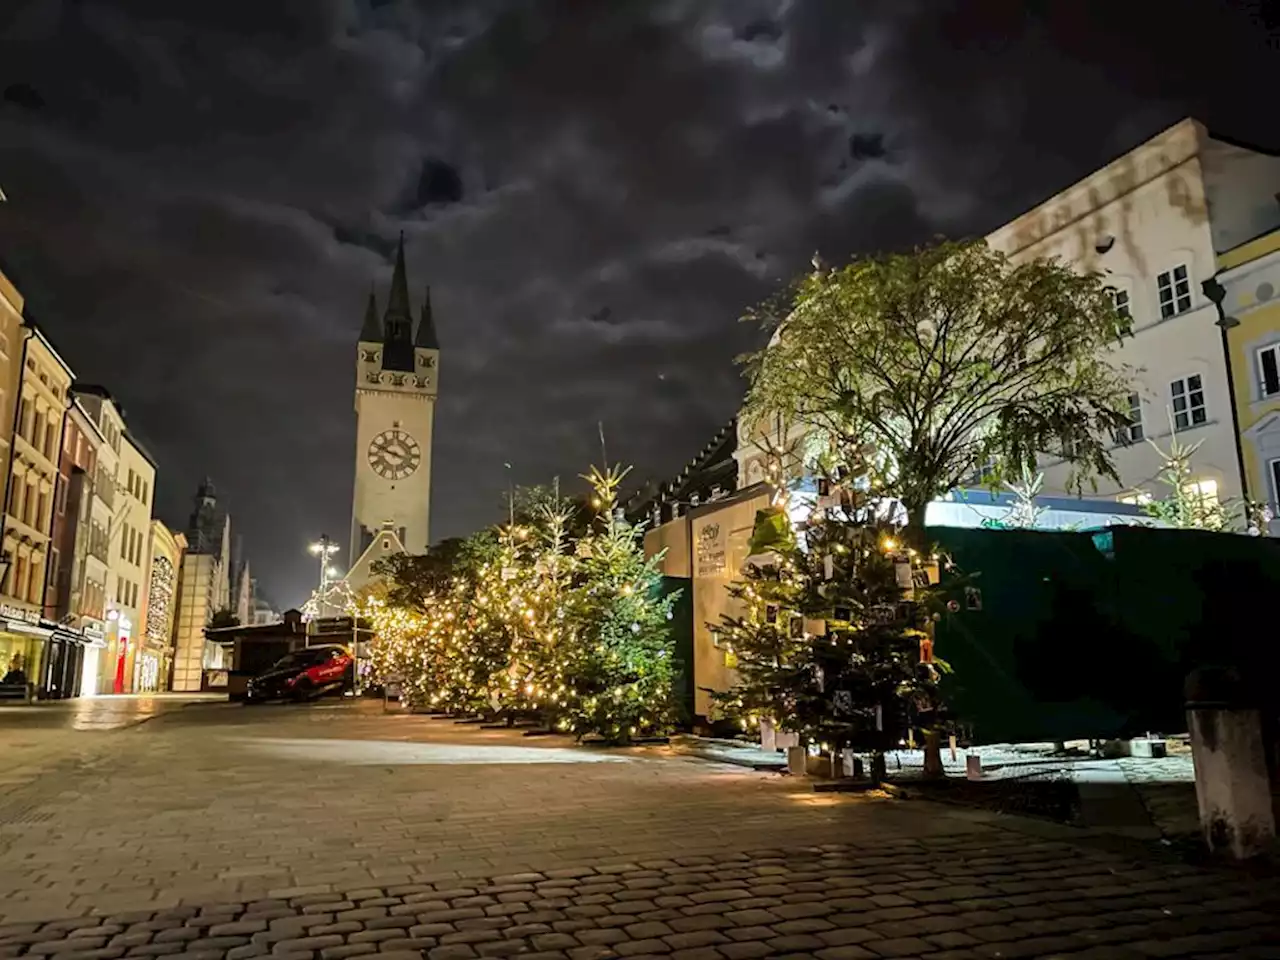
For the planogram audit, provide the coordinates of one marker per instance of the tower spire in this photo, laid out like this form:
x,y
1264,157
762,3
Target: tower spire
x,y
426,325
397,322
398,310
371,329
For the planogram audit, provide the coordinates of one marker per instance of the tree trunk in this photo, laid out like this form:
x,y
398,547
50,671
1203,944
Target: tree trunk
x,y
913,535
933,769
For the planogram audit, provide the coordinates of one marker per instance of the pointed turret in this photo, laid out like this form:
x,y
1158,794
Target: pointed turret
x,y
397,322
427,326
371,330
398,319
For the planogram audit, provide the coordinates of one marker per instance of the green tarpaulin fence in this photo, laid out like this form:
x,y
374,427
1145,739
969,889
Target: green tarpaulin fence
x,y
1075,635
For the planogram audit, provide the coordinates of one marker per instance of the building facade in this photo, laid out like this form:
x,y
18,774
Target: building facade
x,y
1250,280
76,593
43,393
1153,222
132,562
165,550
396,383
126,481
203,589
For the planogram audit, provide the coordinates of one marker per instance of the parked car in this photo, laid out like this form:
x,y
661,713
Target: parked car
x,y
305,674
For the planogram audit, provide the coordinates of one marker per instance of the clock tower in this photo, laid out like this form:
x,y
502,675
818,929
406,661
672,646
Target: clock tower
x,y
396,378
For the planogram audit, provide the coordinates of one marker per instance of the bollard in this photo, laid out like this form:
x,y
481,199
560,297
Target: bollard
x,y
797,761
1233,789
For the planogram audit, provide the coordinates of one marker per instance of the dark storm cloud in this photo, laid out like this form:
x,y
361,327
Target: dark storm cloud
x,y
200,200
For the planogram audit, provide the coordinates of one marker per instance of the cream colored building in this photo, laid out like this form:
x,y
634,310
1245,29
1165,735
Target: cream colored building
x,y
395,395
131,558
165,549
122,624
203,590
43,395
1154,221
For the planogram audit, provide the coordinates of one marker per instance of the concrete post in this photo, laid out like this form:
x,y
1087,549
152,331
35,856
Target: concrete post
x,y
1233,789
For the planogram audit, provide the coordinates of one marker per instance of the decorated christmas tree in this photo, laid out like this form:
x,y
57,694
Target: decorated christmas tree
x,y
612,671
833,640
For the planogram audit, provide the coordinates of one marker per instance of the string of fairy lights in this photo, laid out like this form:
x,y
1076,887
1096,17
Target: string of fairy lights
x,y
577,636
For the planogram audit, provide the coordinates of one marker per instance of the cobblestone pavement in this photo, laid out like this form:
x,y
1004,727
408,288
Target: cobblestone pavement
x,y
216,831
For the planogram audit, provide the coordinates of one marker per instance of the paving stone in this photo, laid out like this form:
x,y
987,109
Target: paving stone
x,y
899,947
306,944
636,948
457,951
695,938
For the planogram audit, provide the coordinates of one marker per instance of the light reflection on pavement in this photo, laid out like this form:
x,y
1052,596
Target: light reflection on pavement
x,y
384,753
101,713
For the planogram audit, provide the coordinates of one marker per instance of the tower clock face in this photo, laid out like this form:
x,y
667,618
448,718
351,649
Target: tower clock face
x,y
394,454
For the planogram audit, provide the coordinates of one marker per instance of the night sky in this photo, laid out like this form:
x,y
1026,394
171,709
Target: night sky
x,y
594,189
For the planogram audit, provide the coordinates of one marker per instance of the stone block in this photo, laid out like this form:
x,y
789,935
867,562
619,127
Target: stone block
x,y
1233,788
1148,749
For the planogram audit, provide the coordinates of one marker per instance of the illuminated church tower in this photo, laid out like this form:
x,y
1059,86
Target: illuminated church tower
x,y
396,380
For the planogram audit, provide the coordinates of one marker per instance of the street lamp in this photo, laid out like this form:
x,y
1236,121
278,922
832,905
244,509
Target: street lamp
x,y
324,548
1217,293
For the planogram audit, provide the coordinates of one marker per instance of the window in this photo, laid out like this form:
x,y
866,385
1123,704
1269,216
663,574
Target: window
x,y
52,578
19,576
145,491
24,418
39,518
1121,299
1269,370
1174,289
1136,498
1274,466
1206,491
124,543
1133,432
1188,402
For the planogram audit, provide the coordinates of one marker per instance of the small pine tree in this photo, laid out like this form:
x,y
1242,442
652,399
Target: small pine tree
x,y
1185,506
613,666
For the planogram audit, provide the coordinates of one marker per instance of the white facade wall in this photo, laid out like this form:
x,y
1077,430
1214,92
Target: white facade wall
x,y
1175,201
1169,204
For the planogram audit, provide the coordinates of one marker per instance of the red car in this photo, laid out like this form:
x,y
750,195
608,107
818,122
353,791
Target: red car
x,y
305,674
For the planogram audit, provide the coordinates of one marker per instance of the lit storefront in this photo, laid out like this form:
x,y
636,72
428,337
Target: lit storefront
x,y
95,643
22,643
114,661
49,657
